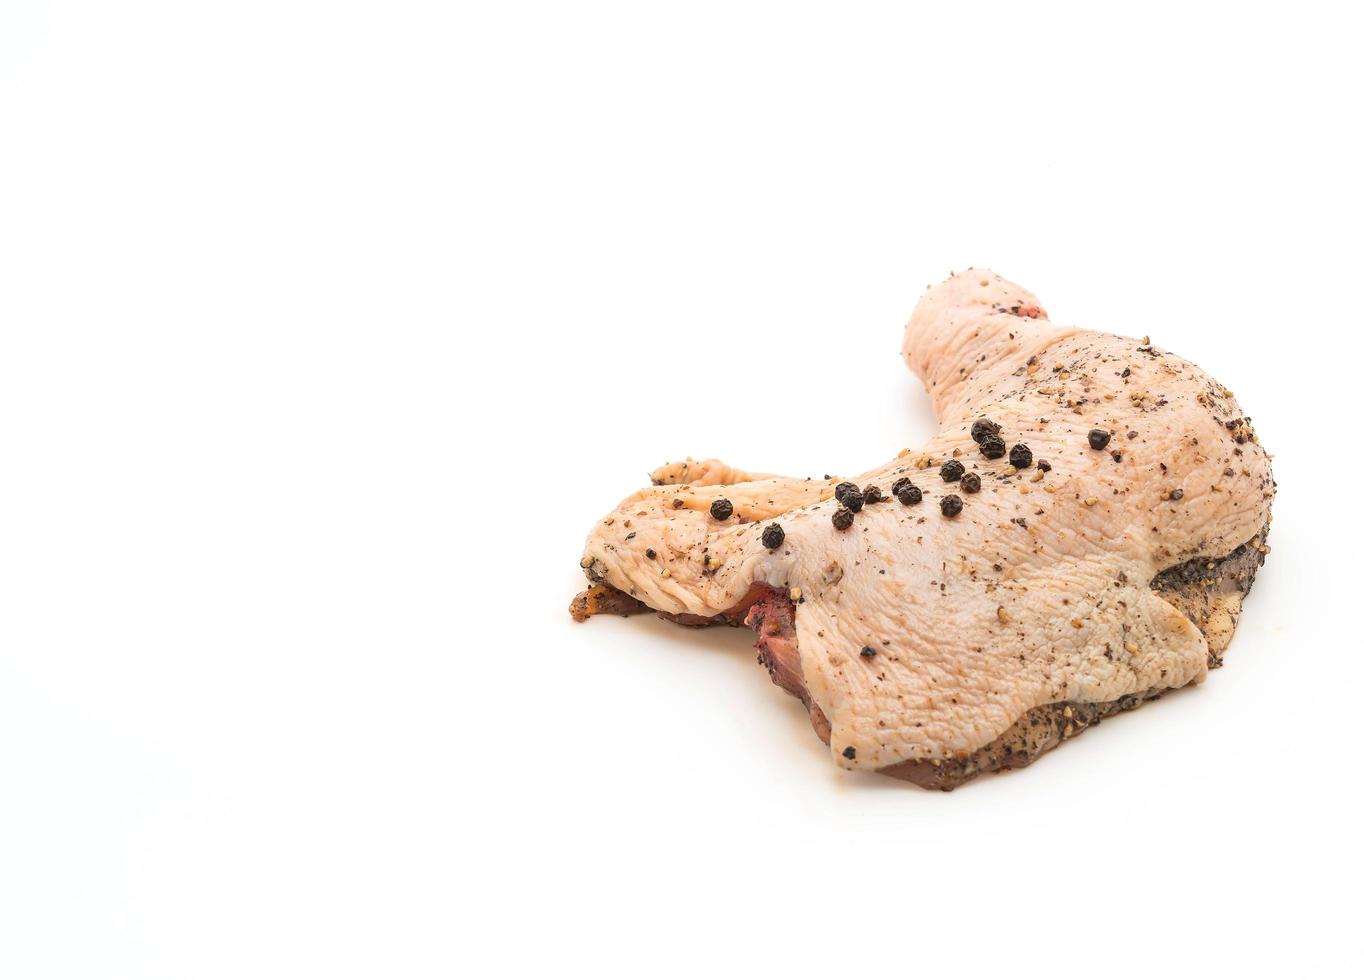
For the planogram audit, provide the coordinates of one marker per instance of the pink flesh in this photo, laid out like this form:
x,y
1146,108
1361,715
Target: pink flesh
x,y
772,617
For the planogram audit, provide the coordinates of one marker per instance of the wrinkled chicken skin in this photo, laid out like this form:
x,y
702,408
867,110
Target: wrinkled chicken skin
x,y
925,643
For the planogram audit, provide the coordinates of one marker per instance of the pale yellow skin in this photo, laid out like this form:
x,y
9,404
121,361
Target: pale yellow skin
x,y
976,619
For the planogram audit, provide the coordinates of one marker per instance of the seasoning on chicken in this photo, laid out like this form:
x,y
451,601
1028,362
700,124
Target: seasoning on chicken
x,y
1020,457
982,428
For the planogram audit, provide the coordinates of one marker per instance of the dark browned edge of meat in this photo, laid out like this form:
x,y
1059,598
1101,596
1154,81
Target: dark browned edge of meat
x,y
603,600
1207,590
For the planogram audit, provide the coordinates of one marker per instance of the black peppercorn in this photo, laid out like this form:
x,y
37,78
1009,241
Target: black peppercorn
x,y
899,485
981,428
971,483
868,652
721,509
910,495
1043,465
843,489
1176,494
650,553
1098,438
1020,456
773,536
872,495
992,447
951,505
853,500
951,471
850,753
843,518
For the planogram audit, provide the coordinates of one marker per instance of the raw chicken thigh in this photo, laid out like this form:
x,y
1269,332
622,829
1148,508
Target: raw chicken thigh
x,y
1075,540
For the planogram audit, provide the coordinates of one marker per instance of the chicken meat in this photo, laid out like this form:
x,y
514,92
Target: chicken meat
x,y
1075,540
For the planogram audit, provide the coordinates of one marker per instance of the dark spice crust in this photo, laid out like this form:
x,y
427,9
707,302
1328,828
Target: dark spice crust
x,y
1040,730
1209,591
604,600
1206,590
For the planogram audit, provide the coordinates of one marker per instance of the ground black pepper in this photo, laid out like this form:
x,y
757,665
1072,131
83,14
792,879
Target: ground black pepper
x,y
1020,456
1098,438
721,509
843,519
951,505
971,483
773,536
992,447
951,471
981,428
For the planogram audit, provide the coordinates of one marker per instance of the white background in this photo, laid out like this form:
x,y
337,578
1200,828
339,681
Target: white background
x,y
330,328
